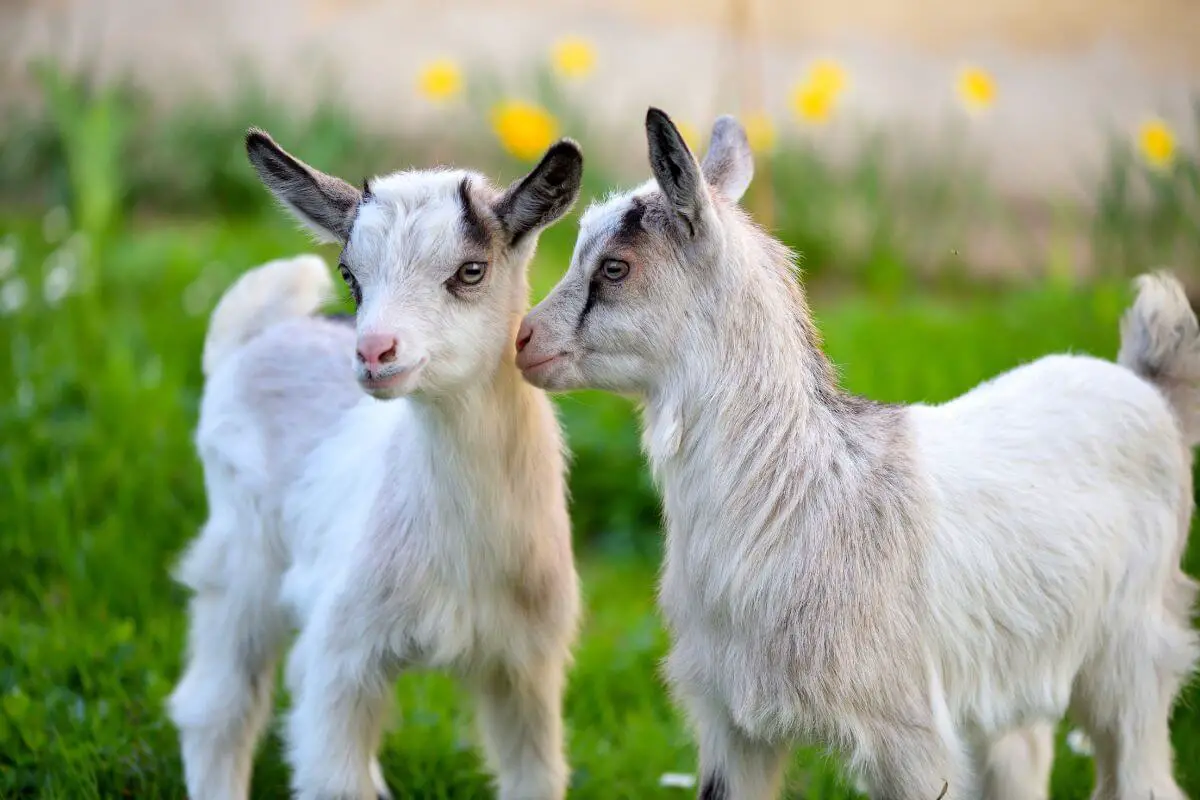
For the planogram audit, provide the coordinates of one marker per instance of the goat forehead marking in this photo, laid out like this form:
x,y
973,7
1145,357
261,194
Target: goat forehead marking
x,y
412,214
473,227
617,218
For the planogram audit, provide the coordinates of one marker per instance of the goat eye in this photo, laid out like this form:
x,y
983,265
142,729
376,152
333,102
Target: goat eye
x,y
614,271
471,272
351,283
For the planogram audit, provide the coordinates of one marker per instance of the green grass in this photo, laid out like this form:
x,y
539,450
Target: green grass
x,y
100,488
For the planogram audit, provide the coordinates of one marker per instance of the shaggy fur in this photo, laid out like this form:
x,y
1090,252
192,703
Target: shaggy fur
x,y
430,530
924,589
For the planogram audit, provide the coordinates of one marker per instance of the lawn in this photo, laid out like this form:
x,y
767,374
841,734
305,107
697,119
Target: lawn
x,y
100,488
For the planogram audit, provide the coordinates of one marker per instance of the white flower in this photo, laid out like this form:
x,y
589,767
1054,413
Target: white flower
x,y
152,372
78,245
57,284
55,224
25,396
677,780
61,270
12,296
1079,743
195,298
8,260
198,295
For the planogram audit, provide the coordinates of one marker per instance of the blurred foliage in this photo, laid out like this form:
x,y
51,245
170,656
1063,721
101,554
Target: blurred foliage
x,y
840,218
90,122
895,208
1149,215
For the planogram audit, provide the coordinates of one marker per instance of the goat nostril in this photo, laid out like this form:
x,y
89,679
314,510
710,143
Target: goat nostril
x,y
523,340
374,349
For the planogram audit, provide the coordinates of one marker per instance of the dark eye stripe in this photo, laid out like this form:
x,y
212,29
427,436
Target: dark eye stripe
x,y
587,304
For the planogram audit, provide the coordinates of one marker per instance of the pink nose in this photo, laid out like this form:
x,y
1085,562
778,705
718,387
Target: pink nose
x,y
375,349
524,335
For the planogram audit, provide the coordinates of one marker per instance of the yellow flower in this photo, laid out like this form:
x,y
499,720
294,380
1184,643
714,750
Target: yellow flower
x,y
813,104
440,80
1156,140
827,75
574,57
525,130
976,89
815,99
760,132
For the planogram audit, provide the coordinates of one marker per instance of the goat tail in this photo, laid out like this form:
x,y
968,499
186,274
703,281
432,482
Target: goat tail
x,y
264,296
1160,341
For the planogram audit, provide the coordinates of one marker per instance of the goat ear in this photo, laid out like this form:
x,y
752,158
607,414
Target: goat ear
x,y
545,194
728,165
675,169
324,203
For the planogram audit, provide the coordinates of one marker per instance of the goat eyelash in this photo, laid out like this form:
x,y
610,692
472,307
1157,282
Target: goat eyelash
x,y
351,283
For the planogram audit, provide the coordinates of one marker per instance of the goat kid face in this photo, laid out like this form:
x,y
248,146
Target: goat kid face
x,y
643,265
434,259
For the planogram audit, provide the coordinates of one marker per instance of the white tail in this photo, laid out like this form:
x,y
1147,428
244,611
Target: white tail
x,y
1160,341
262,297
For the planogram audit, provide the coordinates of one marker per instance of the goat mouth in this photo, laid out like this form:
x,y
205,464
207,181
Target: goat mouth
x,y
391,384
536,365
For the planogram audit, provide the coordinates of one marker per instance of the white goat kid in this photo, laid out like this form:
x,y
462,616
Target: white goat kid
x,y
924,589
427,531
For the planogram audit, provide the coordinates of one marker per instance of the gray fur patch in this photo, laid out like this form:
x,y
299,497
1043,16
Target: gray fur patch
x,y
474,227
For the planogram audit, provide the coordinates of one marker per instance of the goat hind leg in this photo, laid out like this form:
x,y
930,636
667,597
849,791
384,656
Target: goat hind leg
x,y
1123,699
734,766
223,700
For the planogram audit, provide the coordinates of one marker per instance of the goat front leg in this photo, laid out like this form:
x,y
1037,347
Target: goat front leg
x,y
340,688
734,766
520,720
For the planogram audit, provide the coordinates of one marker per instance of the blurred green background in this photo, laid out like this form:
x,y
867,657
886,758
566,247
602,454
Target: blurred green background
x,y
122,220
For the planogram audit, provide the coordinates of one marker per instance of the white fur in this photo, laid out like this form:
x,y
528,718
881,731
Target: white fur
x,y
278,290
429,530
925,589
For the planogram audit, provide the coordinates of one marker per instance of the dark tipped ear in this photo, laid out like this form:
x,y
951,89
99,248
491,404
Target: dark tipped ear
x,y
545,194
728,165
675,169
324,203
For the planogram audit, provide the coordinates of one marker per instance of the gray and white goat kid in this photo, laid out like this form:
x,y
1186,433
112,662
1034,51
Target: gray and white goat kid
x,y
426,531
925,589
